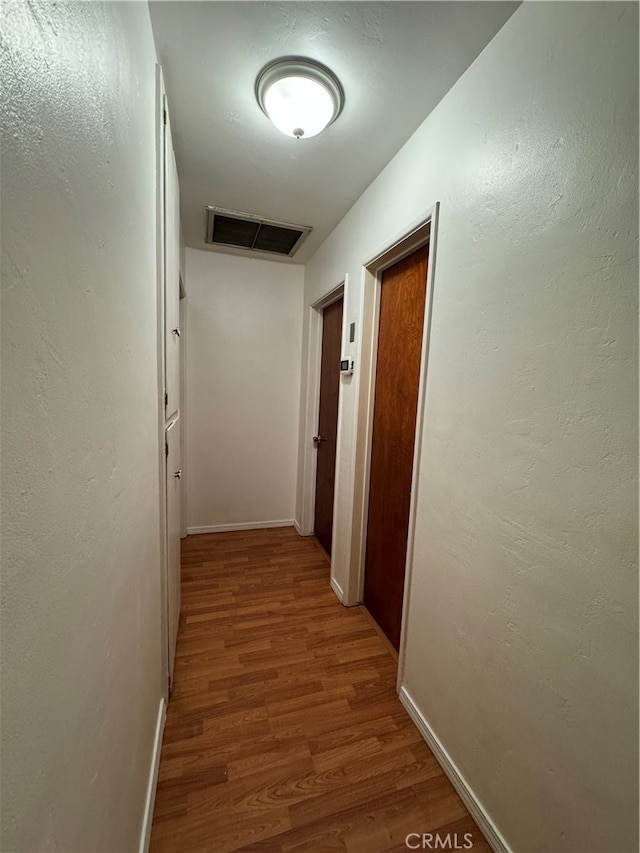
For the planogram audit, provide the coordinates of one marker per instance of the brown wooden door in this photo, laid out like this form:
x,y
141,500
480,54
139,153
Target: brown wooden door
x,y
402,304
328,422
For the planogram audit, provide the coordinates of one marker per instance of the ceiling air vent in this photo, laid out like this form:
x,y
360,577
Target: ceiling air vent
x,y
253,233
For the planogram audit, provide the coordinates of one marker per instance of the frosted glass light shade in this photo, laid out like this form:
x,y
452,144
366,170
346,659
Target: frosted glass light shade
x,y
300,97
299,106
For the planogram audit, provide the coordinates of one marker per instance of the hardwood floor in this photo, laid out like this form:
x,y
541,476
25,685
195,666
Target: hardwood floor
x,y
284,731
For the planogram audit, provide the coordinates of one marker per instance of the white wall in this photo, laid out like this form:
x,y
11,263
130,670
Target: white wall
x,y
244,319
81,647
522,635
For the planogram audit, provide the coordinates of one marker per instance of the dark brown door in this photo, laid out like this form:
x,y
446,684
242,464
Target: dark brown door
x,y
328,422
402,303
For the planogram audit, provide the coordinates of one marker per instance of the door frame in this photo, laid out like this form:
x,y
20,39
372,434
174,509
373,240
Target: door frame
x,y
163,422
317,430
162,462
183,407
312,411
422,231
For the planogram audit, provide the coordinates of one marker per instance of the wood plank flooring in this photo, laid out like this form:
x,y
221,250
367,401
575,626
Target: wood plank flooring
x,y
284,732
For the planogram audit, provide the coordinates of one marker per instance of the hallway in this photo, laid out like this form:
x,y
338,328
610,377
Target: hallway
x,y
170,257
284,731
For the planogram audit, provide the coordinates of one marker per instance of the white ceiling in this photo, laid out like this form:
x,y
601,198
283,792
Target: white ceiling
x,y
395,60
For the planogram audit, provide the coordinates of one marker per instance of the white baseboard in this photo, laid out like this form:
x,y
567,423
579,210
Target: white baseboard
x,y
147,818
335,586
297,527
468,797
248,525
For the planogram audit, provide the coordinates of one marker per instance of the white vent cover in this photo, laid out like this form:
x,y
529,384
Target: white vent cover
x,y
253,233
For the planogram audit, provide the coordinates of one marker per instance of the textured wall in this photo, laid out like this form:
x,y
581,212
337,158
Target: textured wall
x,y
81,649
244,319
522,637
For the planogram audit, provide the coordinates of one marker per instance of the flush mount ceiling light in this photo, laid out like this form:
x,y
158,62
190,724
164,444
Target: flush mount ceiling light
x,y
300,97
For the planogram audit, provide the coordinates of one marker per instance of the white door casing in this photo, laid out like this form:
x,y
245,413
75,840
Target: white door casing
x,y
172,274
172,388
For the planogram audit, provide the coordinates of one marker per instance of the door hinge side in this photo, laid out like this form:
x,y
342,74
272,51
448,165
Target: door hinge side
x,y
164,116
166,399
166,449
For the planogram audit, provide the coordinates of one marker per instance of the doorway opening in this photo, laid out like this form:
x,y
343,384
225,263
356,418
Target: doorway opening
x,y
312,367
419,235
325,439
170,400
403,288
